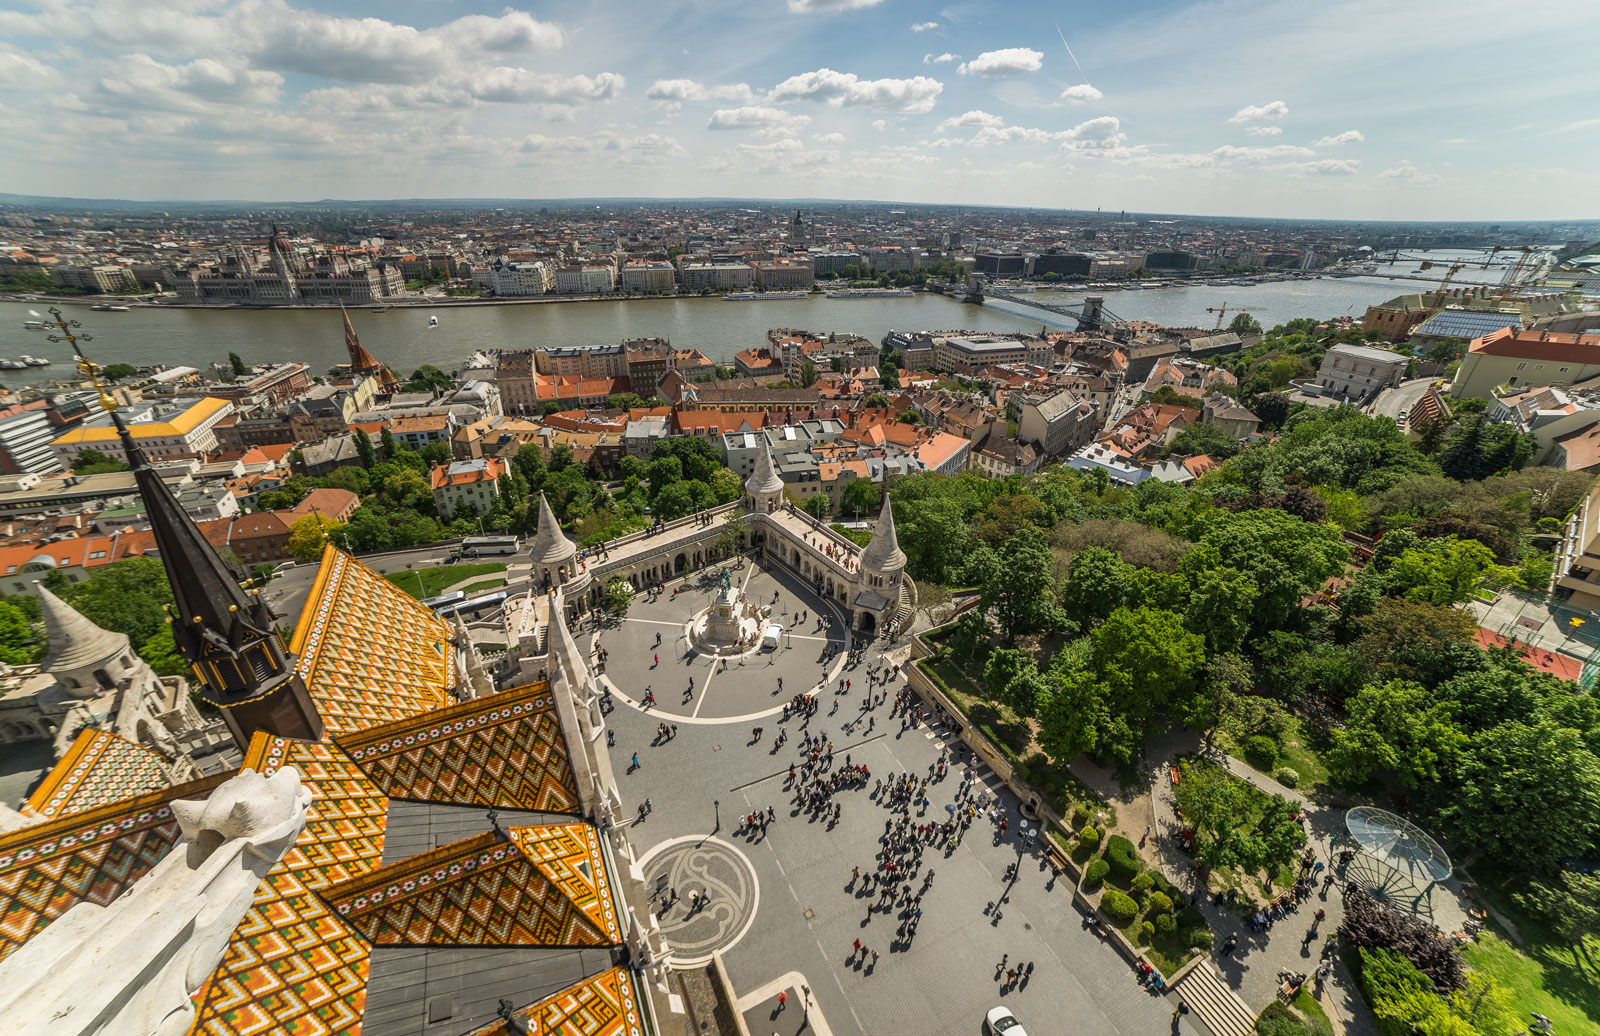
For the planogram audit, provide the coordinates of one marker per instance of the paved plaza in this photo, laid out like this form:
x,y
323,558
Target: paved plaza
x,y
783,906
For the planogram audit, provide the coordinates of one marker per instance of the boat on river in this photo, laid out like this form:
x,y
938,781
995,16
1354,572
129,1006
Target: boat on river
x,y
761,296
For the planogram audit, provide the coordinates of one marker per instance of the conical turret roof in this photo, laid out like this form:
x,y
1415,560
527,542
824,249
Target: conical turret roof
x,y
765,478
883,554
550,545
73,641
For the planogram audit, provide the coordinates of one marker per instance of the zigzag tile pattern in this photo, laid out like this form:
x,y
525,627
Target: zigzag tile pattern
x,y
292,966
569,855
505,750
99,768
482,891
369,652
605,1005
91,856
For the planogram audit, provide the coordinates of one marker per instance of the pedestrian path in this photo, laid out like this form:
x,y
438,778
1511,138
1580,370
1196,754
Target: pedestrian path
x,y
1222,1010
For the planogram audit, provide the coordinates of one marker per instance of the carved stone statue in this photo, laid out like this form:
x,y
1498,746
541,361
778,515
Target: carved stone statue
x,y
130,968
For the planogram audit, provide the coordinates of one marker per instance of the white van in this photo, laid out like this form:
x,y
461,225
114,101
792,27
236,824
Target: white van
x,y
769,639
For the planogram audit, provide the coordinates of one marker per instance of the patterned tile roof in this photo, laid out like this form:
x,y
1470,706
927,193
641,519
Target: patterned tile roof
x,y
537,888
369,652
100,767
605,1005
292,966
90,856
504,750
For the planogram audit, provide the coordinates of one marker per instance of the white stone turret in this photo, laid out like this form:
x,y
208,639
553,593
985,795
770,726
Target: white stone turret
x,y
883,555
86,660
882,572
764,489
554,557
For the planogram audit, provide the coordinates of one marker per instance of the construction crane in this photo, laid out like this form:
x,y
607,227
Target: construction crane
x,y
1224,309
1513,275
1449,275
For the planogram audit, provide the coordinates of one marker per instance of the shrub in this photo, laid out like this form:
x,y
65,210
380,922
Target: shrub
x,y
1118,907
1124,859
1147,931
1159,903
1166,924
1089,838
1199,938
1369,925
1142,885
1095,873
1024,774
1278,1020
1287,777
1260,752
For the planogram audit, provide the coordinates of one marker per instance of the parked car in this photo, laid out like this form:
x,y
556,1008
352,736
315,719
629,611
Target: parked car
x,y
769,639
1001,1020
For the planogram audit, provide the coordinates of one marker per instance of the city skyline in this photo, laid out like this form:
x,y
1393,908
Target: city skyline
x,y
1354,110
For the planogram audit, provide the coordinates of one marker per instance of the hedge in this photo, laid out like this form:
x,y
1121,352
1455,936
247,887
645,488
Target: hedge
x,y
1089,838
1124,859
1095,873
1159,903
1165,924
1119,908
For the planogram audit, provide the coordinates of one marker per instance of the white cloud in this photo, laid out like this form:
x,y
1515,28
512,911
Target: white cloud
x,y
1011,61
23,71
828,6
924,26
1322,167
1265,131
940,59
1347,137
989,135
828,138
1102,132
518,85
1260,112
764,120
1404,170
969,119
647,149
677,90
201,84
913,96
880,124
1275,153
1080,93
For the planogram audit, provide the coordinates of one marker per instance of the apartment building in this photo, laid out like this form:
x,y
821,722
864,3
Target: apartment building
x,y
514,279
1359,372
588,279
967,354
649,275
718,275
584,361
784,274
165,429
1515,357
472,485
25,437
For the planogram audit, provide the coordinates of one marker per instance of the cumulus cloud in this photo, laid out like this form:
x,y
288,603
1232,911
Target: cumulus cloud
x,y
764,120
1404,170
200,84
1260,112
973,118
1011,61
672,93
913,96
1347,137
940,59
828,138
924,26
880,124
1080,93
827,6
1275,153
1102,132
1265,131
1322,167
646,149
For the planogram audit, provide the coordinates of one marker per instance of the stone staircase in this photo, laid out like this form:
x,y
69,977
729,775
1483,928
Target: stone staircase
x,y
1215,1002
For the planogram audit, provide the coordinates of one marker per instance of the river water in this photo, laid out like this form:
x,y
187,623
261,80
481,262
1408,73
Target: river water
x,y
403,339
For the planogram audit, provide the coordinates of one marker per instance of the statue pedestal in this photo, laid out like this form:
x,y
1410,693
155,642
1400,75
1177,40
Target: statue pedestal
x,y
729,627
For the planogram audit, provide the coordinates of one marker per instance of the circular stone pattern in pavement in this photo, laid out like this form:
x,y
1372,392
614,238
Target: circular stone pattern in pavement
x,y
699,863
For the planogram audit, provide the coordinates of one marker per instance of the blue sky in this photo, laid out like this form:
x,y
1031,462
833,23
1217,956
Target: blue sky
x,y
1427,109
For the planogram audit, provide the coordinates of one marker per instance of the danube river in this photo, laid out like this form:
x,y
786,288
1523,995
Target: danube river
x,y
403,339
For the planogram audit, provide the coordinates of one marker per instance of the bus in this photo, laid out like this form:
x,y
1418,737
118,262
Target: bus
x,y
474,604
480,546
444,602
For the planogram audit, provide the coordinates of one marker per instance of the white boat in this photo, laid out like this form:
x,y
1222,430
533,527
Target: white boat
x,y
33,325
433,321
34,361
760,296
12,365
870,293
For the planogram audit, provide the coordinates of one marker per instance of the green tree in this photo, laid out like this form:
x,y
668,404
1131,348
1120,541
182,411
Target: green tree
x,y
1202,439
126,597
816,506
1528,792
309,534
1286,558
674,501
875,401
1569,903
1071,712
1479,450
1227,679
1003,666
119,371
1244,324
860,497
93,462
808,374
663,472
1396,727
428,378
386,440
1219,608
619,594
19,644
1148,661
364,451
240,368
1235,825
1273,409
161,653
1021,592
889,374
1098,582
1449,571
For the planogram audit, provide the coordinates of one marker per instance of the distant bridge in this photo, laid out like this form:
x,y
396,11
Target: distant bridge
x,y
1091,316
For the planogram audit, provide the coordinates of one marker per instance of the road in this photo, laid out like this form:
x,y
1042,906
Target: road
x,y
1392,401
287,592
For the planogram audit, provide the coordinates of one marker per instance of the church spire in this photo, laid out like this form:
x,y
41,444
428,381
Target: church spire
x,y
363,362
228,636
883,553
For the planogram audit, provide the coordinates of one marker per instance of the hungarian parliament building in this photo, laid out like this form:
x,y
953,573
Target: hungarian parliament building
x,y
286,277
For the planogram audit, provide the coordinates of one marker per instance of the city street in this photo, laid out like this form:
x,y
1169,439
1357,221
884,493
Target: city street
x,y
1391,402
783,905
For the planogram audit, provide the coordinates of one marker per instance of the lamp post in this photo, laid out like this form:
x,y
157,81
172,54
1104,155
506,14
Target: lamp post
x,y
716,807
